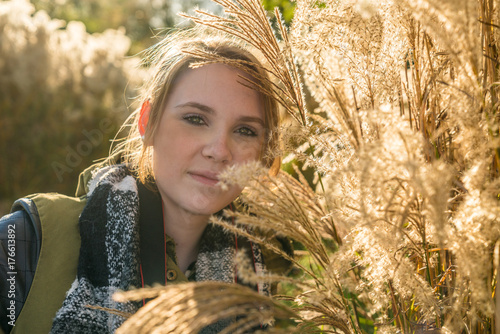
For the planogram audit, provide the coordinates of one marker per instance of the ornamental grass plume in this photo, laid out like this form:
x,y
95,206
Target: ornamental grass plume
x,y
59,85
189,307
398,231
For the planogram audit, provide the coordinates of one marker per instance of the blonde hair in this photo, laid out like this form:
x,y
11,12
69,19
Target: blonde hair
x,y
171,57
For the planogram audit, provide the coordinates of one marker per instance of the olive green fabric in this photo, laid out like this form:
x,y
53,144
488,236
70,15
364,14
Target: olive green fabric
x,y
174,273
85,176
57,264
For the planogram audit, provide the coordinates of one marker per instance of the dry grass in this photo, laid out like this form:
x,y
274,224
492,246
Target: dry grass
x,y
190,307
63,94
401,231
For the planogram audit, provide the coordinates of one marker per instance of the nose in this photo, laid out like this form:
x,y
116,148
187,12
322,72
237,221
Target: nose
x,y
218,148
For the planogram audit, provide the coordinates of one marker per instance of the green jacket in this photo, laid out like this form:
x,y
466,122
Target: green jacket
x,y
58,260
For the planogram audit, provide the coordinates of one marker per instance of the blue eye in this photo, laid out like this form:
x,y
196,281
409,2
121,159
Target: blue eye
x,y
245,131
194,119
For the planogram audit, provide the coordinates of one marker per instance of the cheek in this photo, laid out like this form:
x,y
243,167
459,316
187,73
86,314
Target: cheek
x,y
166,154
161,166
170,143
248,152
230,195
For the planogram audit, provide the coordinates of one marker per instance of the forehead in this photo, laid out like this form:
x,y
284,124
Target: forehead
x,y
220,75
218,86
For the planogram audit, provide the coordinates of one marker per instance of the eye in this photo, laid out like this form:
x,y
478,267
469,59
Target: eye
x,y
246,131
194,120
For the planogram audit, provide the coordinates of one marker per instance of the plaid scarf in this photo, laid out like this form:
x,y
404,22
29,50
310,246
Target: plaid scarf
x,y
109,256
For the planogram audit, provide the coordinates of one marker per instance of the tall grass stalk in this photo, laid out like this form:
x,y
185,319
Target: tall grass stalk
x,y
403,136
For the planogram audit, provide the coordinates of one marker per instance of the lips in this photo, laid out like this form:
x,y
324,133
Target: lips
x,y
205,177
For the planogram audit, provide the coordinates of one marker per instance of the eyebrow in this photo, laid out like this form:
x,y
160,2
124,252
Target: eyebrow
x,y
209,110
196,105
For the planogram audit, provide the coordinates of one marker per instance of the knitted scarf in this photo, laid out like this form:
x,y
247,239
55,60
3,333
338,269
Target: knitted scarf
x,y
109,256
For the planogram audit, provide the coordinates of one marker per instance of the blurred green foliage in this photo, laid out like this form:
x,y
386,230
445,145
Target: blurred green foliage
x,y
286,8
141,19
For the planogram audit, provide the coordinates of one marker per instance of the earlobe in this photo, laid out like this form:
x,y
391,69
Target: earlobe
x,y
144,117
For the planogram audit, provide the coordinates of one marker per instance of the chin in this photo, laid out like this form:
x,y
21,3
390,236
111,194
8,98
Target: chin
x,y
207,209
208,205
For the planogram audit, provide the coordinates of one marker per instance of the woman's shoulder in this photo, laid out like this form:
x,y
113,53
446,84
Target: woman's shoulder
x,y
279,250
53,214
90,177
277,261
31,205
45,208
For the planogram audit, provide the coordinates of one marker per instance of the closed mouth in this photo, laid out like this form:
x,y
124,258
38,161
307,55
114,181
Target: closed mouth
x,y
206,178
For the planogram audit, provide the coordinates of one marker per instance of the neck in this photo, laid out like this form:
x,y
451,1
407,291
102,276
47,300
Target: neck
x,y
186,229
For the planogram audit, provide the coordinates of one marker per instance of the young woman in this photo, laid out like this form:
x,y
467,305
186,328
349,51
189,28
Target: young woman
x,y
142,218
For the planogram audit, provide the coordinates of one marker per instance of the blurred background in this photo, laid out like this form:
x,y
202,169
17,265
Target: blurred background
x,y
69,72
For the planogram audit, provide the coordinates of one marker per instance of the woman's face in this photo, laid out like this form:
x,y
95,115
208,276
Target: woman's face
x,y
210,121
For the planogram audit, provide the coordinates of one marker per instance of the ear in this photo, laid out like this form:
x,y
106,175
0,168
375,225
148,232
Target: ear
x,y
144,117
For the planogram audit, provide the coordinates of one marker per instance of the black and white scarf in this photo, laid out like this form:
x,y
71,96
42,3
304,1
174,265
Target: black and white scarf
x,y
109,256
